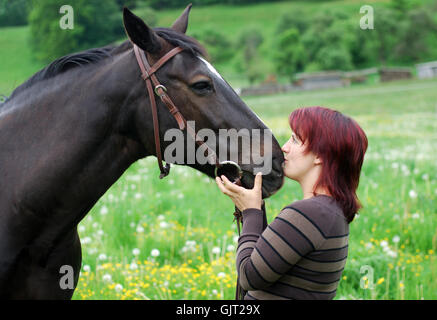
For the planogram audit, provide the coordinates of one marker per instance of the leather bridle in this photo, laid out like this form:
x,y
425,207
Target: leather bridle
x,y
155,87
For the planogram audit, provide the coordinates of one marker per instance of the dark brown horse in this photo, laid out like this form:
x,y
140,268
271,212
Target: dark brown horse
x,y
70,131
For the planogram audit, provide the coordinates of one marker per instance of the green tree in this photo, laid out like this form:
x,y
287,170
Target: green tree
x,y
296,19
248,60
290,56
219,47
94,25
14,13
415,30
385,34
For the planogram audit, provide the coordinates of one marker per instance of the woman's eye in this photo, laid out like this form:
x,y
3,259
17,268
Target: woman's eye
x,y
202,86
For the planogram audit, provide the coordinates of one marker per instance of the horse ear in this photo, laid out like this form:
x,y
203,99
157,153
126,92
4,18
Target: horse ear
x,y
139,33
181,24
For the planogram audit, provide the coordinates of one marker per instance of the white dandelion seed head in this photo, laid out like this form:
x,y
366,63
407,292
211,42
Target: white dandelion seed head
x,y
102,257
412,194
104,210
107,278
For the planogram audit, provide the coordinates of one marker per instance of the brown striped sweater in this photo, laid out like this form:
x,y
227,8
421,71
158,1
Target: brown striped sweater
x,y
300,255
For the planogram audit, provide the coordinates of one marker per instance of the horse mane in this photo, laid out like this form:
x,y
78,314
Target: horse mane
x,y
64,64
93,56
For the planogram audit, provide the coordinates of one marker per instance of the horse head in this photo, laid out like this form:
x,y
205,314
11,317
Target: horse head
x,y
208,103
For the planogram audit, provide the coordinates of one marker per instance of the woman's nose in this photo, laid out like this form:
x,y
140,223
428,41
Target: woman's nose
x,y
285,148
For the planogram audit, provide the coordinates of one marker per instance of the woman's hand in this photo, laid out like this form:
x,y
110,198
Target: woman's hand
x,y
242,198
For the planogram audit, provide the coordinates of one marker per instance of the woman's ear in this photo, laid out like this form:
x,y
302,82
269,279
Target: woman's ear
x,y
139,33
317,160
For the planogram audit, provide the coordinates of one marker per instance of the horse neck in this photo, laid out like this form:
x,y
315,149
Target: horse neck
x,y
74,142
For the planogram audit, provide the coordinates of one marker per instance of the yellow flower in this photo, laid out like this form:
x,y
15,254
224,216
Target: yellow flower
x,y
380,280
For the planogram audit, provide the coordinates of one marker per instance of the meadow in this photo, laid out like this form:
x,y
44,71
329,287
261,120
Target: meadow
x,y
175,239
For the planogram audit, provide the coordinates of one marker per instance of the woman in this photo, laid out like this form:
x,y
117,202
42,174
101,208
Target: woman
x,y
302,253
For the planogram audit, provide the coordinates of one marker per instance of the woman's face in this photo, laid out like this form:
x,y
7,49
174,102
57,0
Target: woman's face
x,y
297,164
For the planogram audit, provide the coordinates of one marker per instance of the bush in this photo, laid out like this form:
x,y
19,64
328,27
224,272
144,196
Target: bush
x,y
219,47
14,13
290,56
248,60
94,25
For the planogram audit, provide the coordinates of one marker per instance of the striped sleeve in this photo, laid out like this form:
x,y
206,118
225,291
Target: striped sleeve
x,y
265,255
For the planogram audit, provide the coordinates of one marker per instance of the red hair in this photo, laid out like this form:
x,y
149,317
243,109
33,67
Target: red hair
x,y
340,143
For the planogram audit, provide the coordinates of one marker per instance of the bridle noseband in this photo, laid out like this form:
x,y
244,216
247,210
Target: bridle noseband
x,y
148,74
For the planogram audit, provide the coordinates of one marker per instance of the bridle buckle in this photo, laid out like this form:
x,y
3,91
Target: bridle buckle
x,y
160,86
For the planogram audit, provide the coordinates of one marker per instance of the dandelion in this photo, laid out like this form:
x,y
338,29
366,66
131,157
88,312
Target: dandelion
x,y
415,215
396,239
133,266
164,225
155,253
230,248
235,239
391,253
138,195
136,252
140,229
412,194
86,240
425,176
102,257
380,280
221,275
107,278
118,287
216,250
86,268
81,229
368,246
104,210
161,217
384,244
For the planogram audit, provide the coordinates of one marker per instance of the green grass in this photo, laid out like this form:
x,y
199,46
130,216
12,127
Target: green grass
x,y
16,60
394,234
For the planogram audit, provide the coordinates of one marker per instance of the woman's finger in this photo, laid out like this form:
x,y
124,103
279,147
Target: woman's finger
x,y
258,181
222,187
231,186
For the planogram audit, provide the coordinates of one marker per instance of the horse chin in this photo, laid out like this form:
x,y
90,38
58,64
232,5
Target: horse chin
x,y
248,181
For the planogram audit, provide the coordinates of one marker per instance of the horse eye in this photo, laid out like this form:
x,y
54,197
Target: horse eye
x,y
202,86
